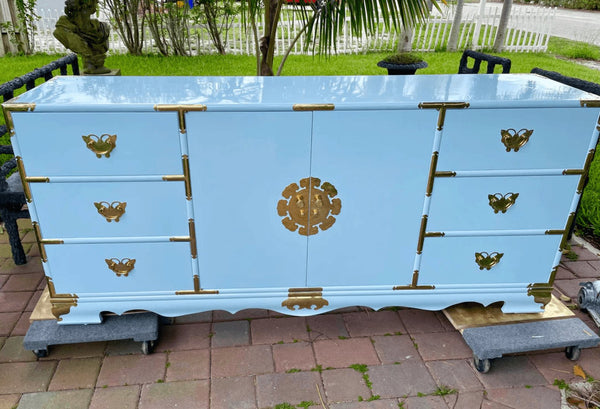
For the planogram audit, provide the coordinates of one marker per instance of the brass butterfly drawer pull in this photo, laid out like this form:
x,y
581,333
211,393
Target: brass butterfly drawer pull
x,y
487,261
111,211
515,140
120,267
100,145
501,203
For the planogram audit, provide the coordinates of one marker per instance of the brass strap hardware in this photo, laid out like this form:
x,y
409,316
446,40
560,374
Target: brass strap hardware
x,y
487,261
120,267
445,174
313,107
181,110
197,289
590,103
554,232
414,285
310,207
101,145
111,211
432,168
174,178
186,174
192,229
37,179
500,202
447,105
21,169
513,139
422,234
305,298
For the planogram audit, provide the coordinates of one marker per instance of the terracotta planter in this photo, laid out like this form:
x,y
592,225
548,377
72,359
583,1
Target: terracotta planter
x,y
402,69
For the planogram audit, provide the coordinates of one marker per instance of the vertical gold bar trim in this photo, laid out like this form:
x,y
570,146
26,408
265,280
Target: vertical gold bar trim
x,y
570,221
422,234
186,175
441,118
196,283
586,169
415,278
38,237
181,118
9,121
21,169
432,168
193,248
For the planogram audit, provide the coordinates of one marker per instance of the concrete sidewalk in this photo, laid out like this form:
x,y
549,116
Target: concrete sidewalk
x,y
352,359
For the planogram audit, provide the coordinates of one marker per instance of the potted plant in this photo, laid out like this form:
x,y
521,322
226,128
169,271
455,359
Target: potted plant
x,y
404,63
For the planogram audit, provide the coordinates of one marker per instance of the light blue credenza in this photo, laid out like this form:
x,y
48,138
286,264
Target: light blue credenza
x,y
300,194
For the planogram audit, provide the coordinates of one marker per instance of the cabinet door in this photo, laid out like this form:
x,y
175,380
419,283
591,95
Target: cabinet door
x,y
378,162
240,163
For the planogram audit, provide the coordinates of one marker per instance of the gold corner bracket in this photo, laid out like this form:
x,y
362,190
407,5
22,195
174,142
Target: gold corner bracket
x,y
305,298
8,108
541,293
61,303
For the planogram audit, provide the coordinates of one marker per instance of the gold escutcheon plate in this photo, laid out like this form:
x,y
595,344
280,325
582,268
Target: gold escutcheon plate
x,y
309,207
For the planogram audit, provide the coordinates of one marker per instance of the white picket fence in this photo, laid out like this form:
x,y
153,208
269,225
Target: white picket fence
x,y
529,29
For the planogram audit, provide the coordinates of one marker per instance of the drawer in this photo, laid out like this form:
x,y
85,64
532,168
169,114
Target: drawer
x,y
536,202
472,139
52,144
451,260
132,209
157,267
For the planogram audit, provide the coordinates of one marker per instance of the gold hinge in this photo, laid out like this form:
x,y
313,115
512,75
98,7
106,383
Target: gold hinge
x,y
305,298
197,289
590,103
21,169
181,110
313,107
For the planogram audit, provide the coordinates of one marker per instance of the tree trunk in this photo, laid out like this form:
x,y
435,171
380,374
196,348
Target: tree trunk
x,y
268,40
405,39
502,26
455,30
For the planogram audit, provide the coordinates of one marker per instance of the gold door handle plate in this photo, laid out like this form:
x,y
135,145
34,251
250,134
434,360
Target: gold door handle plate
x,y
111,211
120,267
487,261
100,145
500,202
515,140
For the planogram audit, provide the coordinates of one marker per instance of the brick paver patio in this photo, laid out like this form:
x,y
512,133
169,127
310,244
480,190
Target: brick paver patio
x,y
351,359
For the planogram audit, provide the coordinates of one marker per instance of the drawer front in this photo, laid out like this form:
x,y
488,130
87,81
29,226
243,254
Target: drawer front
x,y
472,139
53,144
452,260
125,209
516,203
157,267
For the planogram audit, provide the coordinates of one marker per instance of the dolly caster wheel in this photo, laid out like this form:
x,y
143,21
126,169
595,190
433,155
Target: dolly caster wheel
x,y
573,353
482,365
147,347
40,353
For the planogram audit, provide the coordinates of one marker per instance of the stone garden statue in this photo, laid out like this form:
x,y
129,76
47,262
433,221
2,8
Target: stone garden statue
x,y
84,35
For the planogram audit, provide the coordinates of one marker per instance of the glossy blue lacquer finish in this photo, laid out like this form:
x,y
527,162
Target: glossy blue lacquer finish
x,y
413,180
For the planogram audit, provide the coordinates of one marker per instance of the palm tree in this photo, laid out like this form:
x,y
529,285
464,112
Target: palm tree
x,y
502,26
322,20
455,30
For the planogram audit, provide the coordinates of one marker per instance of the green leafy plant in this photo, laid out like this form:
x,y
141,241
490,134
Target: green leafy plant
x,y
404,58
444,390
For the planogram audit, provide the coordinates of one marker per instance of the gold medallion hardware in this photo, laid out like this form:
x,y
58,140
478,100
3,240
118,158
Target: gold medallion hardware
x,y
514,140
305,298
309,207
120,267
487,261
111,211
501,203
102,145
